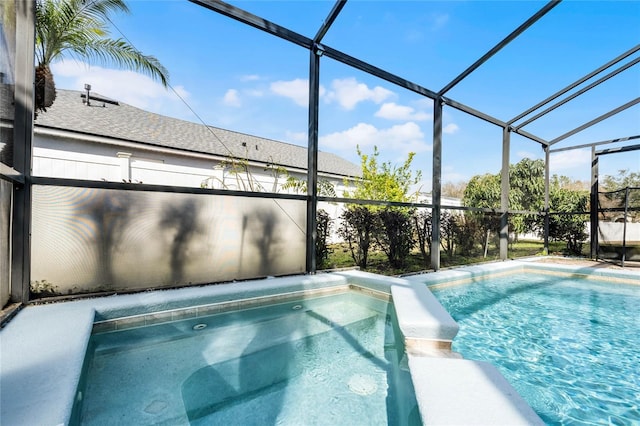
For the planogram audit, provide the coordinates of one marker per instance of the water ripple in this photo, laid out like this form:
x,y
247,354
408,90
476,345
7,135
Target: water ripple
x,y
571,347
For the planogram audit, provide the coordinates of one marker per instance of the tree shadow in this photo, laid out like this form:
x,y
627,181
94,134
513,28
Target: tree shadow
x,y
110,212
183,220
262,229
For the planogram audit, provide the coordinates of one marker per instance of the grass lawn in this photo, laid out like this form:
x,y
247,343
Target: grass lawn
x,y
340,257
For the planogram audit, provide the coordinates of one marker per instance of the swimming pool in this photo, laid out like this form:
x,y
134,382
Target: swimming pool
x,y
570,346
330,360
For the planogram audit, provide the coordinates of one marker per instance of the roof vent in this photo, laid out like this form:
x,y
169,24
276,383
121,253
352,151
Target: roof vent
x,y
87,100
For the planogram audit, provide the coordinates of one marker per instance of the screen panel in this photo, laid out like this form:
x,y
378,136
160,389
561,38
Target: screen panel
x,y
97,240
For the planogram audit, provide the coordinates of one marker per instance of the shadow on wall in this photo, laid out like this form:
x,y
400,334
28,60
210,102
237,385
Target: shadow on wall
x,y
183,220
109,211
259,228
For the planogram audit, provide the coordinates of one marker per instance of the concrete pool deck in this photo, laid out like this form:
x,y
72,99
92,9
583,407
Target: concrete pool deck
x,y
42,349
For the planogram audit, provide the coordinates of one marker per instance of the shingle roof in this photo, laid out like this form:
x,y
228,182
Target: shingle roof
x,y
129,123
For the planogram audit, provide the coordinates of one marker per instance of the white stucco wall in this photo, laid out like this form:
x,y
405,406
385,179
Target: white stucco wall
x,y
77,159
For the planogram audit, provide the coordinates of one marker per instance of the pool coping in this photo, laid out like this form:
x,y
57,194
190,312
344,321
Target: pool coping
x,y
42,349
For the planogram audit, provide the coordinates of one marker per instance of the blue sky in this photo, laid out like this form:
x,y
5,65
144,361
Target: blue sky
x,y
240,78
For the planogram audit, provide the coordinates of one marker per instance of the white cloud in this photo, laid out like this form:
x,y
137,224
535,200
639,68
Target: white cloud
x,y
231,98
297,90
393,111
569,160
401,139
126,86
450,128
348,93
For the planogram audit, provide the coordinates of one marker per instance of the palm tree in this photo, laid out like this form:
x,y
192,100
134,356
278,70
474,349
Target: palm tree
x,y
78,28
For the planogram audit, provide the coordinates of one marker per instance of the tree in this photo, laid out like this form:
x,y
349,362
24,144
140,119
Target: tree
x,y
395,238
357,228
383,181
454,190
78,28
483,191
568,227
390,227
623,180
526,192
323,232
618,191
422,226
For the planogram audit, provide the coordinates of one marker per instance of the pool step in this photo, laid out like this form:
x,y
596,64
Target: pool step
x,y
227,335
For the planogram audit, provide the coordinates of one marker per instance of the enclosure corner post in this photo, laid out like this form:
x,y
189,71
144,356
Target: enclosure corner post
x,y
546,200
312,168
504,197
436,184
593,207
22,154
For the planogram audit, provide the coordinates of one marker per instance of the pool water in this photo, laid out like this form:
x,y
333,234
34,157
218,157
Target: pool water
x,y
570,346
329,360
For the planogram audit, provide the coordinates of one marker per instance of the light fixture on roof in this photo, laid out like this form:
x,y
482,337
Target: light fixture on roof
x,y
319,49
87,87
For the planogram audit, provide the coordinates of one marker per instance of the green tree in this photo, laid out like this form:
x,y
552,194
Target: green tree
x,y
357,228
526,192
395,237
383,181
422,227
567,227
390,227
78,28
483,191
323,232
624,179
615,192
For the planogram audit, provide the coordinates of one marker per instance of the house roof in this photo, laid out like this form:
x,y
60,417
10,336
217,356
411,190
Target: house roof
x,y
111,119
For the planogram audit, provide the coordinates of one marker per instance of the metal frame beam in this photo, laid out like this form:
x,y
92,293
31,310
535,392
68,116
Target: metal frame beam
x,y
618,150
255,21
532,137
593,144
579,92
377,72
595,120
574,84
471,111
532,20
329,21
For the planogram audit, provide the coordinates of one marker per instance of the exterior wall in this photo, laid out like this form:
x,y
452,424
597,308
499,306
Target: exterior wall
x,y
77,159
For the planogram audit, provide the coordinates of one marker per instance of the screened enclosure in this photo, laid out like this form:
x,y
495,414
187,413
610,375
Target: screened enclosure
x,y
258,208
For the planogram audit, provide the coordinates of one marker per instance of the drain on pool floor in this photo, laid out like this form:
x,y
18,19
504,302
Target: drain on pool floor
x,y
362,384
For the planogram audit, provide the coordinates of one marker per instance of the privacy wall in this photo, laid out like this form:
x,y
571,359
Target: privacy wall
x,y
97,240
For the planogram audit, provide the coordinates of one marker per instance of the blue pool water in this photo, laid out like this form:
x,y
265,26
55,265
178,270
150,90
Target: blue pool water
x,y
570,346
326,361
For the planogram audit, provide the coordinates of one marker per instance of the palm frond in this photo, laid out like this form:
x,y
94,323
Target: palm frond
x,y
79,28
